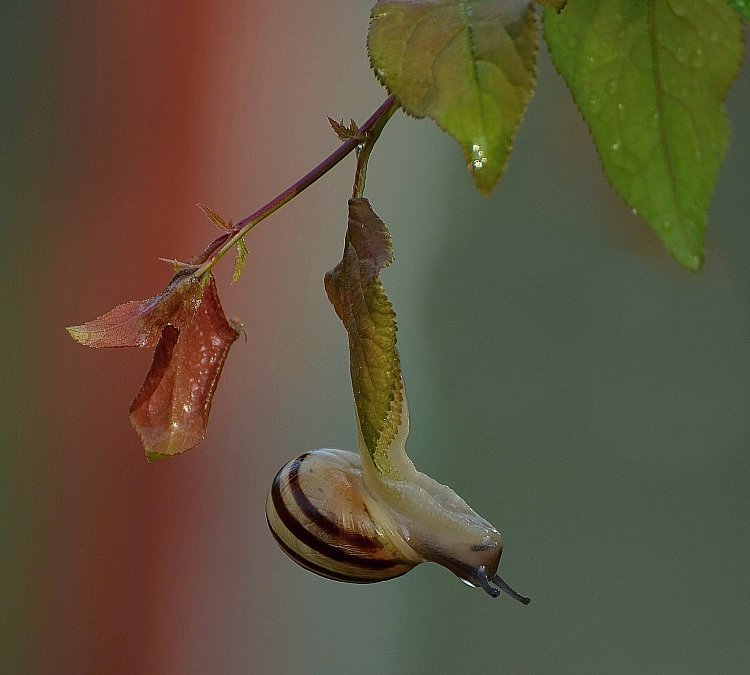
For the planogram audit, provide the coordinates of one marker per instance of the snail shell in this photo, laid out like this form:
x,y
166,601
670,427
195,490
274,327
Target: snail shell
x,y
318,512
344,521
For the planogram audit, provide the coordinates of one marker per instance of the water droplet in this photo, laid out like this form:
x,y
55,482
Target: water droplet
x,y
667,225
714,37
478,158
594,104
653,121
616,145
611,86
620,106
696,261
681,54
635,212
698,58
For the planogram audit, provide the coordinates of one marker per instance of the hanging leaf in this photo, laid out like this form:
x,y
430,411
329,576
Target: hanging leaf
x,y
170,413
186,324
139,323
650,78
356,293
469,65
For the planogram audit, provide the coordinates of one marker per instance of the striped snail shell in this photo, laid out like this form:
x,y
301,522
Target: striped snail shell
x,y
342,520
318,512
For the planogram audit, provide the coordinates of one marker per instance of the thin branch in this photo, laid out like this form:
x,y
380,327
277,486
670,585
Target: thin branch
x,y
220,246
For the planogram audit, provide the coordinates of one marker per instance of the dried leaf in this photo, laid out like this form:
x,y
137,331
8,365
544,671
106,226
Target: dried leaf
x,y
139,323
170,413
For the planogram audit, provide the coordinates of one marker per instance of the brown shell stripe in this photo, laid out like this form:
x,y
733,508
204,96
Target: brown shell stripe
x,y
309,539
319,569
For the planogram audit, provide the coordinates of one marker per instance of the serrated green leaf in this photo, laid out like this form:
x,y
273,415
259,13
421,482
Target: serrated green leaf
x,y
356,293
741,6
650,78
469,65
239,263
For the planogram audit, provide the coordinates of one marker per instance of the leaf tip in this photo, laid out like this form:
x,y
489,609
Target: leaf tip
x,y
692,261
78,333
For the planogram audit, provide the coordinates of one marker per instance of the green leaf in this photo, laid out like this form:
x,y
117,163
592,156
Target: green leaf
x,y
743,7
470,65
356,293
239,263
650,78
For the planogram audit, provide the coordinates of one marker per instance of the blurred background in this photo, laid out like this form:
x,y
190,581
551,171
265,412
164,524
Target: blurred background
x,y
565,377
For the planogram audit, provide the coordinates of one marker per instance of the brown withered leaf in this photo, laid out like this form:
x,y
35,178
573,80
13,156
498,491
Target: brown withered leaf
x,y
170,413
139,323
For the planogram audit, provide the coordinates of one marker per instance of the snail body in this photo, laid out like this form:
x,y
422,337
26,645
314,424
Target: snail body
x,y
342,520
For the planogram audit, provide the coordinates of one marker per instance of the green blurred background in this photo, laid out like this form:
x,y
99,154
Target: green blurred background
x,y
564,376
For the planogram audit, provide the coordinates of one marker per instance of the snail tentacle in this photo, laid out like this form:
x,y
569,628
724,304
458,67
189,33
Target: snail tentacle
x,y
500,585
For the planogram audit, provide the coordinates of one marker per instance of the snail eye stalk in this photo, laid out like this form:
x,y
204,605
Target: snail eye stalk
x,y
499,585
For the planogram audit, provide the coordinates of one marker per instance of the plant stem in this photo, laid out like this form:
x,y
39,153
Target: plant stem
x,y
372,127
364,150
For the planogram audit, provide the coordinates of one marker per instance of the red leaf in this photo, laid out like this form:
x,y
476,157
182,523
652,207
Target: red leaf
x,y
171,410
140,323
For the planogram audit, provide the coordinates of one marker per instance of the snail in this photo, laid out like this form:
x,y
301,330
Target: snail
x,y
335,514
372,516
